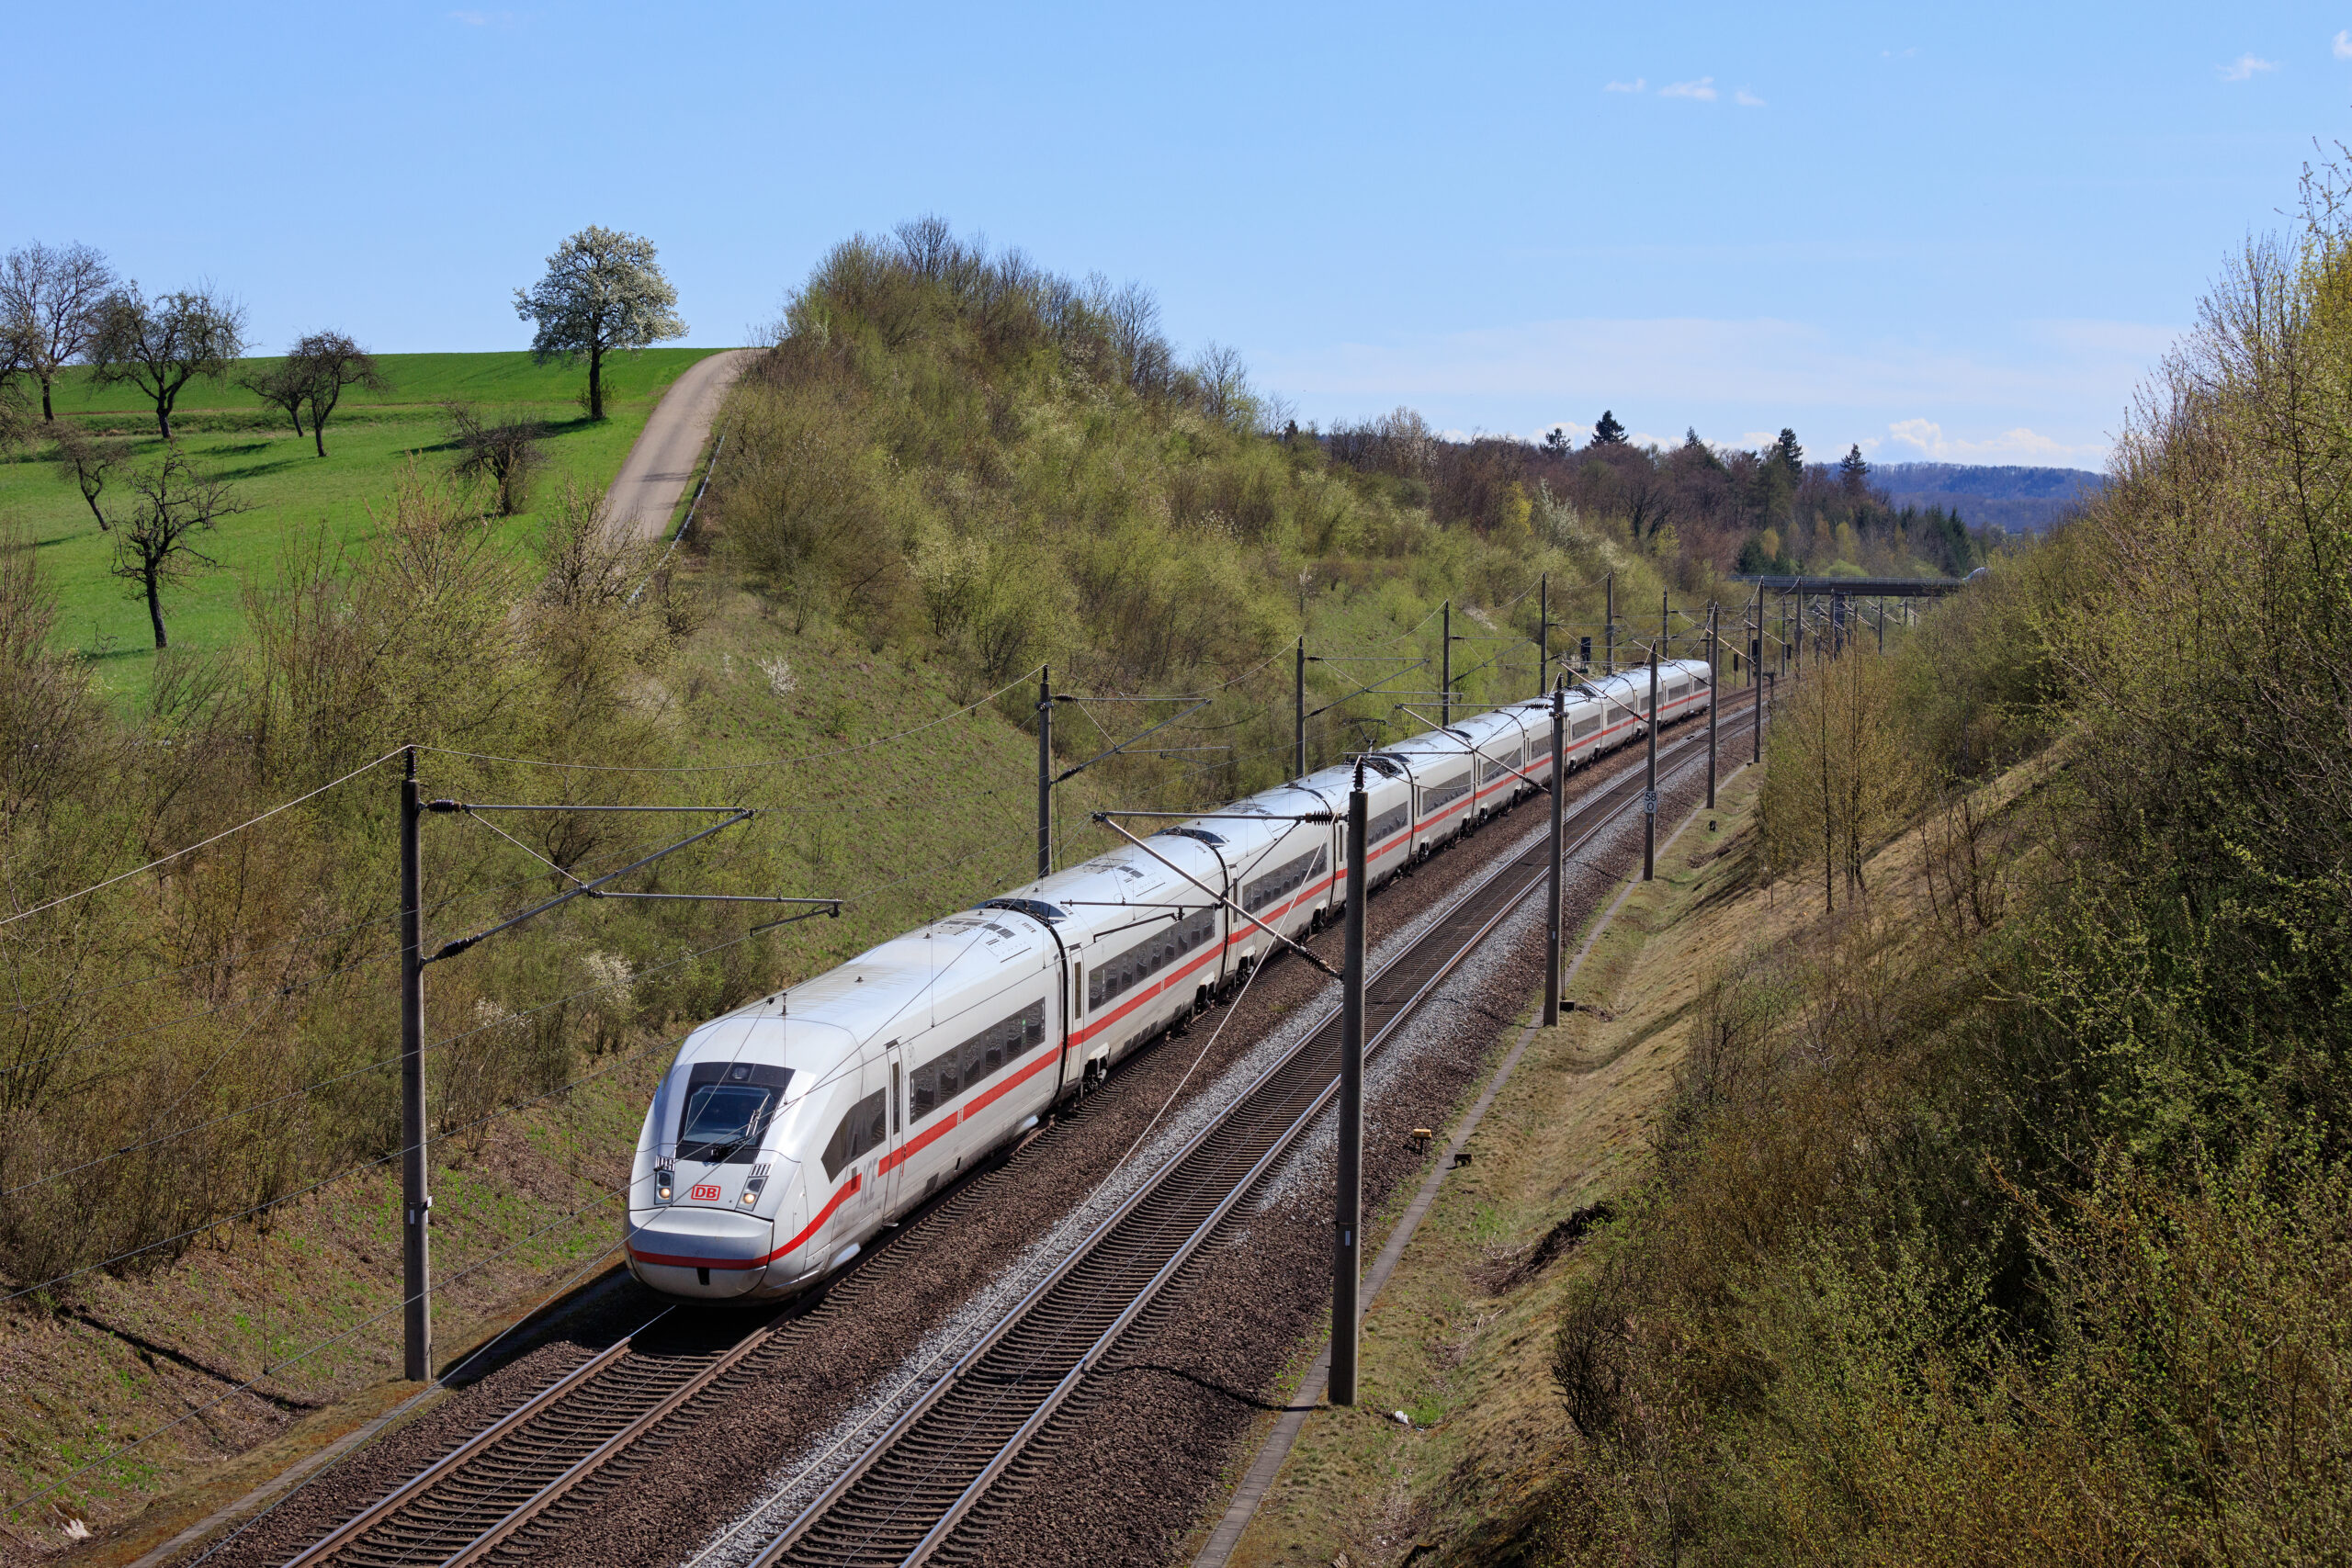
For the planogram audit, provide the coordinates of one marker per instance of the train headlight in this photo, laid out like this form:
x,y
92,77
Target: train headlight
x,y
759,1178
664,1173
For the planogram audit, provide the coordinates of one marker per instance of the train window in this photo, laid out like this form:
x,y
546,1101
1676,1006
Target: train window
x,y
1388,824
1283,880
1616,713
953,1071
1111,977
1585,727
1681,690
1445,792
862,1128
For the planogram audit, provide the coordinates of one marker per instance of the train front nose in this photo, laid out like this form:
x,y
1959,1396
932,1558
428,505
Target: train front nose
x,y
688,1249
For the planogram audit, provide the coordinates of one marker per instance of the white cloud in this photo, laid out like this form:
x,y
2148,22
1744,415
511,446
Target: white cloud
x,y
1746,99
1703,89
2344,45
2245,67
1635,86
2019,446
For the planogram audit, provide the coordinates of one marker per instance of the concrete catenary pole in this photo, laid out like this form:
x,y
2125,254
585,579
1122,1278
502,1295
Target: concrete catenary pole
x,y
1649,795
416,1199
1045,772
1609,624
1552,874
1346,1218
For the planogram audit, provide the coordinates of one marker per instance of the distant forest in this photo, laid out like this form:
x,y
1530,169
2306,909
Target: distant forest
x,y
1698,510
2023,500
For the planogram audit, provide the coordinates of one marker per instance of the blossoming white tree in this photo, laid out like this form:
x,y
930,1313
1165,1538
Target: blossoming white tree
x,y
603,292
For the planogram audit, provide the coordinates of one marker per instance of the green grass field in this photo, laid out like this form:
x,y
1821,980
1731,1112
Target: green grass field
x,y
373,436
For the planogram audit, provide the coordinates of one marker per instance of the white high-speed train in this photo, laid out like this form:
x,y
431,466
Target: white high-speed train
x,y
790,1131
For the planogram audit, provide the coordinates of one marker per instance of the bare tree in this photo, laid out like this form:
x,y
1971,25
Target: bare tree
x,y
506,452
171,502
603,292
88,462
160,345
50,296
1224,383
329,363
280,384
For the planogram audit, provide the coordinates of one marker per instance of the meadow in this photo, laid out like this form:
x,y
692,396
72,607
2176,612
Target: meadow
x,y
293,493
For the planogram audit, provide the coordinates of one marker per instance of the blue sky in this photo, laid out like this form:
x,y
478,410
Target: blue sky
x,y
1943,233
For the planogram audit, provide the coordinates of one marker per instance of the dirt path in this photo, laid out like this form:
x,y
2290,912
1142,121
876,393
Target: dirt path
x,y
663,461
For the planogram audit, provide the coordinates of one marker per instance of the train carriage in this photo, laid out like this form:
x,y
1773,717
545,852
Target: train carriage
x,y
788,1131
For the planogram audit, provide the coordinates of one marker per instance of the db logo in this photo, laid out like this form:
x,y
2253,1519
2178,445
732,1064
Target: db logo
x,y
704,1190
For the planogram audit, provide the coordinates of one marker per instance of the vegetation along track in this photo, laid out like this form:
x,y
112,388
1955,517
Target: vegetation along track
x,y
902,1500
562,1448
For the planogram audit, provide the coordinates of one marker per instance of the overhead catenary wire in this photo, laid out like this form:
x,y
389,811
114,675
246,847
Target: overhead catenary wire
x,y
201,843
506,1020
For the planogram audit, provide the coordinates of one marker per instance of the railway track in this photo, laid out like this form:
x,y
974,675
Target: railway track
x,y
564,1448
900,1502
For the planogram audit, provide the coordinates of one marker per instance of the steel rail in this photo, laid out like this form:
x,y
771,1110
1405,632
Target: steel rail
x,y
1614,800
424,1480
352,1533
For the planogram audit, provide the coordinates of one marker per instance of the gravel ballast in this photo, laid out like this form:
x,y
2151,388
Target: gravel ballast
x,y
752,1449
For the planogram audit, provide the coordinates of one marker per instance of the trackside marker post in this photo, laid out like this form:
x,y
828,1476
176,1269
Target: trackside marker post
x,y
1348,1208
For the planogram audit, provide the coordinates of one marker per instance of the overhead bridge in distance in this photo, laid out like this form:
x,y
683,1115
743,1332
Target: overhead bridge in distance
x,y
1861,587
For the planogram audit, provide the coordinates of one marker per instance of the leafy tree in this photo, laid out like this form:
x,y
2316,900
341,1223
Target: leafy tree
x,y
160,345
50,298
1607,433
602,292
328,362
1853,474
170,503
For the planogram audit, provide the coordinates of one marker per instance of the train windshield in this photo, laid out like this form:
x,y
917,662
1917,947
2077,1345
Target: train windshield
x,y
723,1119
729,1105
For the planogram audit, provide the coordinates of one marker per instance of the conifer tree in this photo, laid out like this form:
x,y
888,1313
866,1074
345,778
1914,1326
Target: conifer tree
x,y
1607,433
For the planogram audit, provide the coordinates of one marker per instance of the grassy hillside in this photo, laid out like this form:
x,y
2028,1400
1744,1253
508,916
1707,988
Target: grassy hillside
x,y
291,491
951,471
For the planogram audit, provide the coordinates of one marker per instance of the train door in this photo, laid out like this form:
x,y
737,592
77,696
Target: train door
x,y
892,1178
855,1156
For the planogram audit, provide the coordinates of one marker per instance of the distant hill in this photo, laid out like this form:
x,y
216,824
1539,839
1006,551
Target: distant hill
x,y
2020,500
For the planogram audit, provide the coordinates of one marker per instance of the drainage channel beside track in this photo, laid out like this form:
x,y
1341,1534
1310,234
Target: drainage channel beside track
x,y
901,1502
